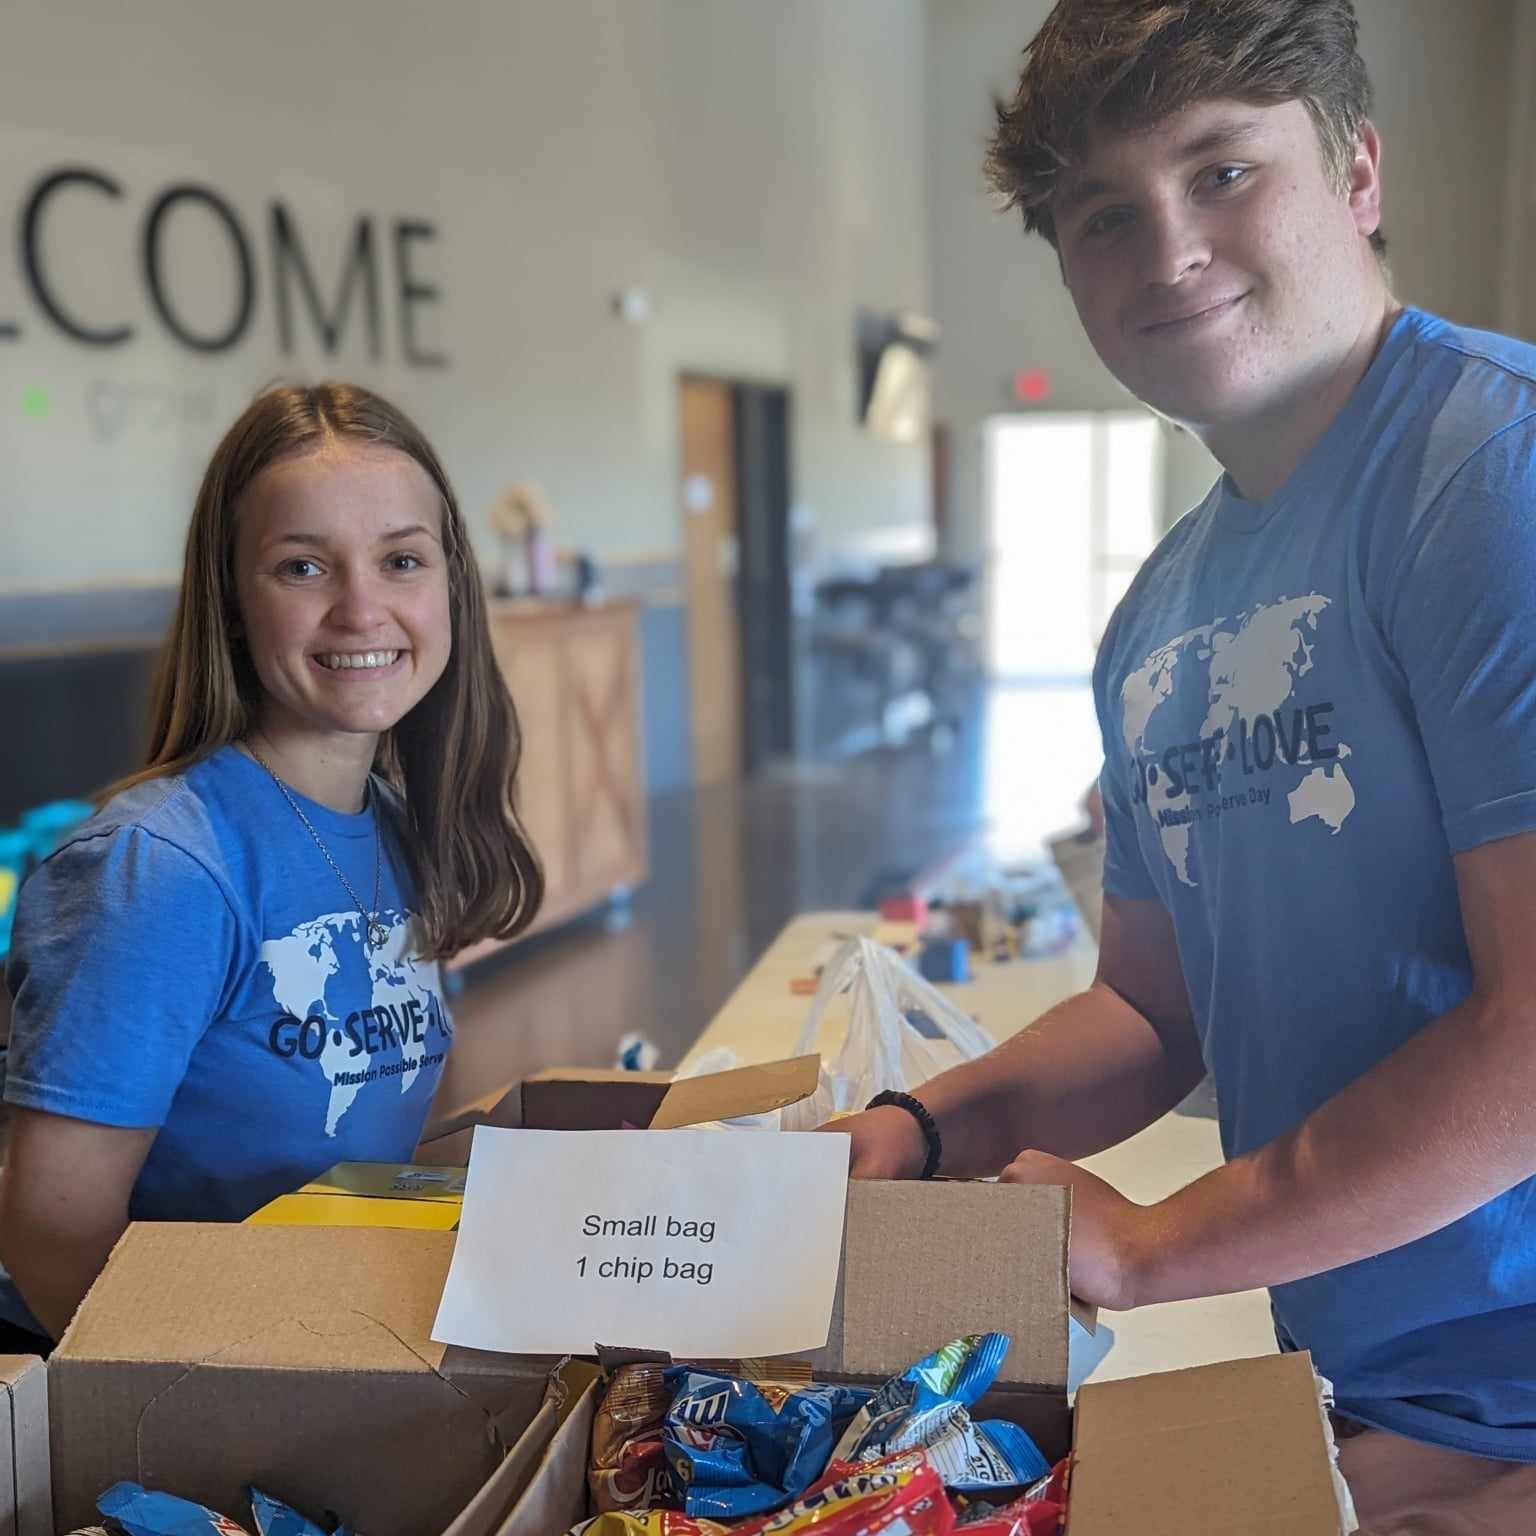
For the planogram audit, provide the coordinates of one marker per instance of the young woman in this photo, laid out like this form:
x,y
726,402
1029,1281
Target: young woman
x,y
228,980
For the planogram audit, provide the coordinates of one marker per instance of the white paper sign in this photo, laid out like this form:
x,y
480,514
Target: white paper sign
x,y
713,1244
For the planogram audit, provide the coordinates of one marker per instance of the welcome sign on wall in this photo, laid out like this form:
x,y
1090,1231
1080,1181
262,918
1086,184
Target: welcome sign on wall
x,y
145,297
148,238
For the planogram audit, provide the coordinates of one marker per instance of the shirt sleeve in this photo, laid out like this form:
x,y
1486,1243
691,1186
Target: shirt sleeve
x,y
121,957
1125,870
1461,621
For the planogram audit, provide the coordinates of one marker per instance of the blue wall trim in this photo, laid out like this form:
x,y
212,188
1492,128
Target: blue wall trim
x,y
668,717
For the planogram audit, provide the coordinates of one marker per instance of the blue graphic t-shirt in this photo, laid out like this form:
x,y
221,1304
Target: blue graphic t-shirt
x,y
189,961
1309,705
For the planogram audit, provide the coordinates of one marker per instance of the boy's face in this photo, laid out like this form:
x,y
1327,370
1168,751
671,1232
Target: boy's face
x,y
1217,270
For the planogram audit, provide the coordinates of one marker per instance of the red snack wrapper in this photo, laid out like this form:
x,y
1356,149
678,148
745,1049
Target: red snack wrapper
x,y
900,1494
1040,1512
648,1522
629,1459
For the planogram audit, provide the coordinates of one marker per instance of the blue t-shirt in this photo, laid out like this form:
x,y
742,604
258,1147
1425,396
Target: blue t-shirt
x,y
189,961
1309,705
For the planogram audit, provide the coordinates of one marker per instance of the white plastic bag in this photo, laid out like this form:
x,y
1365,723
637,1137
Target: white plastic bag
x,y
884,1047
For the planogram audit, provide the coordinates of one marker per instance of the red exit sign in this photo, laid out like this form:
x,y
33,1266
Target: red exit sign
x,y
1032,386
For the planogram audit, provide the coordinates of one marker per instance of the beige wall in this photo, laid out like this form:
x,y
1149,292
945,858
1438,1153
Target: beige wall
x,y
1517,289
759,167
1441,74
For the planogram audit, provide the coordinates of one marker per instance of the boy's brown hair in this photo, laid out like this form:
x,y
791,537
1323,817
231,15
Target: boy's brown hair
x,y
1130,63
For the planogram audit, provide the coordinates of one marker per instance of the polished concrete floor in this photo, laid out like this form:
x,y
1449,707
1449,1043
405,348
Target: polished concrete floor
x,y
731,865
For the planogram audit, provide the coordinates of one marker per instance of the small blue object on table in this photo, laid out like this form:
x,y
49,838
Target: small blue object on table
x,y
945,960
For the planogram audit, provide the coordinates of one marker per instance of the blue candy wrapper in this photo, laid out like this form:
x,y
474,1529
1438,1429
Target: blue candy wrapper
x,y
743,1448
274,1518
928,1406
142,1513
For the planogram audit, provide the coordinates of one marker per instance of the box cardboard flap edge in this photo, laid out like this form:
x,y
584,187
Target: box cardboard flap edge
x,y
26,1484
925,1263
1140,1445
499,1106
554,1497
590,1099
215,1325
753,1090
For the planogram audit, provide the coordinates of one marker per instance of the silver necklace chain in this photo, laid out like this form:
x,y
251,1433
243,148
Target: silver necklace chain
x,y
376,933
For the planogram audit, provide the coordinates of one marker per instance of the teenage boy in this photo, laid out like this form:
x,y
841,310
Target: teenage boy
x,y
1318,705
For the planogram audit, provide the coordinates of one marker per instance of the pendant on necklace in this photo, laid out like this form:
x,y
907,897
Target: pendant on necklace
x,y
378,934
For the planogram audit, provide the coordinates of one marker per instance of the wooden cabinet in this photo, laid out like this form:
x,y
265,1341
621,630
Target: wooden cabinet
x,y
574,674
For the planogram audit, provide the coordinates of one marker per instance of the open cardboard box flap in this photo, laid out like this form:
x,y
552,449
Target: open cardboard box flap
x,y
207,1357
566,1099
26,1501
600,1099
927,1263
1240,1448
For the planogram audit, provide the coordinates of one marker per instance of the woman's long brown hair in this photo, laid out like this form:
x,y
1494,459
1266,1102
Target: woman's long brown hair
x,y
453,758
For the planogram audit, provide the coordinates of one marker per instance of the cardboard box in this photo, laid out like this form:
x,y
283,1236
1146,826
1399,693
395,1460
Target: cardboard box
x,y
597,1099
26,1502
1240,1449
297,1358
300,1358
423,1197
1080,858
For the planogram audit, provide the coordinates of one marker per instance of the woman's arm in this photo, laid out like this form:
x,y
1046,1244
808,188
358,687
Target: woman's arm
x,y
63,1205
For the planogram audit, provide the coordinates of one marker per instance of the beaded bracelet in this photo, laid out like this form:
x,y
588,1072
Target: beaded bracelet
x,y
919,1112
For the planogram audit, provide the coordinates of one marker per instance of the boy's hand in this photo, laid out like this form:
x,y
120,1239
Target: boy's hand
x,y
888,1143
1110,1234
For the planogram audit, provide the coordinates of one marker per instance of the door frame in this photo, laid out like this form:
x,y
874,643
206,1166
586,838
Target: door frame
x,y
762,464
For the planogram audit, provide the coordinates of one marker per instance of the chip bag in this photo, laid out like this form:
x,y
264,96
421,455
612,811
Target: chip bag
x,y
649,1522
143,1513
274,1518
740,1448
900,1495
1040,1512
629,1467
928,1406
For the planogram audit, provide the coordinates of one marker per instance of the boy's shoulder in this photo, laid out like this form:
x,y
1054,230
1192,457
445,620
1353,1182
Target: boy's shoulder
x,y
1465,387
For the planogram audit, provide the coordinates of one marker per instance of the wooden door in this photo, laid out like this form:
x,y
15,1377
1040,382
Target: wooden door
x,y
712,553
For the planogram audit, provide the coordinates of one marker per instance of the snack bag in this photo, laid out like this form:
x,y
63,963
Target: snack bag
x,y
899,1495
648,1522
1040,1512
274,1518
629,1457
928,1405
142,1513
740,1448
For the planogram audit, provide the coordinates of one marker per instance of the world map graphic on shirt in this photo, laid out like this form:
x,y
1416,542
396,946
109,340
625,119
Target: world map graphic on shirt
x,y
402,1021
1254,728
